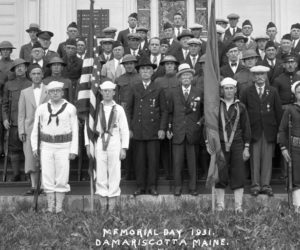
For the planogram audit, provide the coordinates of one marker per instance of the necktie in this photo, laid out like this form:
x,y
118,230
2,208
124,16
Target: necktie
x,y
186,94
233,30
260,92
185,53
133,53
119,69
178,31
194,61
154,60
272,63
145,85
294,43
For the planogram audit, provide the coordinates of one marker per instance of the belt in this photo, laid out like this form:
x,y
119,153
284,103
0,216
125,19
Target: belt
x,y
295,141
56,138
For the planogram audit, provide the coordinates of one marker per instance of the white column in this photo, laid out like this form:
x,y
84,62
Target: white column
x,y
55,16
190,15
279,14
154,19
129,7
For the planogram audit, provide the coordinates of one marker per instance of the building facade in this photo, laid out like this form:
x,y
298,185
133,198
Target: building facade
x,y
55,15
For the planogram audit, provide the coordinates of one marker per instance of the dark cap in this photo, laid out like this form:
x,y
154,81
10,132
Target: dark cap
x,y
167,25
117,44
164,41
134,36
230,46
289,58
56,59
185,33
134,15
37,45
34,66
145,61
73,25
270,44
247,22
271,25
295,26
287,37
17,62
71,41
46,35
33,27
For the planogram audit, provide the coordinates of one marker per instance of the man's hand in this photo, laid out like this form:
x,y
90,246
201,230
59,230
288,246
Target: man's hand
x,y
35,154
23,137
88,152
169,135
122,154
6,124
208,149
72,156
246,154
161,134
286,155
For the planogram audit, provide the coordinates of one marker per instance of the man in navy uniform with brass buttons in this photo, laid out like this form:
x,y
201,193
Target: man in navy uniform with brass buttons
x,y
147,112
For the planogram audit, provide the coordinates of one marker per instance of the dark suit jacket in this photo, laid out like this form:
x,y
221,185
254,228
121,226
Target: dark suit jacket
x,y
228,37
139,55
265,113
145,47
122,37
61,50
147,111
197,68
275,71
174,47
226,70
184,115
25,52
297,49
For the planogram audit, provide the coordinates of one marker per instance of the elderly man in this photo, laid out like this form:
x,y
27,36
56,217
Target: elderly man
x,y
185,113
148,116
112,143
58,125
113,68
264,108
232,29
72,32
235,136
182,53
30,99
132,22
25,52
11,95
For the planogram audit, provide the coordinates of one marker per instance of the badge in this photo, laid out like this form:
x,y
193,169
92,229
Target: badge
x,y
152,103
268,107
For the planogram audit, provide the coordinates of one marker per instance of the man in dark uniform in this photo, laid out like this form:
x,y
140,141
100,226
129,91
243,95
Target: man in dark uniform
x,y
105,48
292,112
285,80
144,45
132,21
264,108
195,52
73,67
235,136
148,116
12,90
134,41
125,83
285,46
185,114
72,32
295,34
230,32
5,51
169,34
25,52
168,82
45,40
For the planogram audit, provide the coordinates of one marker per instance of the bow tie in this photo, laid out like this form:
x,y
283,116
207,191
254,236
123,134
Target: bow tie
x,y
233,64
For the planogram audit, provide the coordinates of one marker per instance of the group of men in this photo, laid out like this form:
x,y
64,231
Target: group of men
x,y
151,115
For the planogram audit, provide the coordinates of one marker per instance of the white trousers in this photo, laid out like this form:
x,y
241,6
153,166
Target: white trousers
x,y
55,167
108,173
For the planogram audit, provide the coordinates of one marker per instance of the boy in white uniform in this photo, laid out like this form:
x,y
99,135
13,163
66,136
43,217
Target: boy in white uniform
x,y
112,143
59,143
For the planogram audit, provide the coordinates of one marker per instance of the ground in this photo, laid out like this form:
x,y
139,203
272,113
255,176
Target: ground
x,y
185,226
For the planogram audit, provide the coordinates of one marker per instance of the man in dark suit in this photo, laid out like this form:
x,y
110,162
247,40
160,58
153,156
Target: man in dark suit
x,y
286,46
295,34
25,52
148,116
247,30
134,41
72,32
196,30
234,65
81,48
185,114
272,32
144,45
182,54
264,108
45,40
178,24
230,32
261,42
194,55
106,54
132,21
272,62
37,56
169,34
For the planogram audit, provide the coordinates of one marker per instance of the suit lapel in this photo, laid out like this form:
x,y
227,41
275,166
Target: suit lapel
x,y
43,94
255,94
31,96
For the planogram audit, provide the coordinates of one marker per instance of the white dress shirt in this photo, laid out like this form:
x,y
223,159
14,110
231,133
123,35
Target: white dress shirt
x,y
37,94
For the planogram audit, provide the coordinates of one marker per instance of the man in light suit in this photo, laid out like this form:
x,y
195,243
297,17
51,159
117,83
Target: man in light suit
x,y
25,52
113,68
30,98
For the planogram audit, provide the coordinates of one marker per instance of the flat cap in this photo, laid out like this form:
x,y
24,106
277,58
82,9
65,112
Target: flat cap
x,y
260,69
71,41
233,16
134,36
107,85
169,58
239,36
46,35
294,86
295,26
107,40
250,53
262,37
33,27
185,33
167,25
56,59
228,81
196,26
6,45
221,20
117,44
129,58
183,68
55,85
220,29
109,30
17,62
194,41
140,28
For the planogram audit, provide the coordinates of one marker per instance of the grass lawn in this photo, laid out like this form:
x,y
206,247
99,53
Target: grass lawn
x,y
148,226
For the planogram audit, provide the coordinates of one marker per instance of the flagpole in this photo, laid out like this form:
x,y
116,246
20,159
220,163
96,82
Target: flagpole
x,y
213,198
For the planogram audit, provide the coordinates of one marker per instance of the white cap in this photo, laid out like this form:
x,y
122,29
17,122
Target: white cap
x,y
107,85
260,68
196,26
228,81
55,85
220,29
294,85
183,68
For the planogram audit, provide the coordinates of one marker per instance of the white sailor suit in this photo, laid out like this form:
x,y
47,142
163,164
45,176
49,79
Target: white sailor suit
x,y
116,136
59,138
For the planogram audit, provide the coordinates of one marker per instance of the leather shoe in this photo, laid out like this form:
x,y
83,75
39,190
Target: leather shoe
x,y
177,192
254,193
139,192
268,192
30,192
193,192
153,192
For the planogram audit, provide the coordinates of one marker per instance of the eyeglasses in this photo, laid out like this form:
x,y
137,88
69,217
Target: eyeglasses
x,y
52,91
